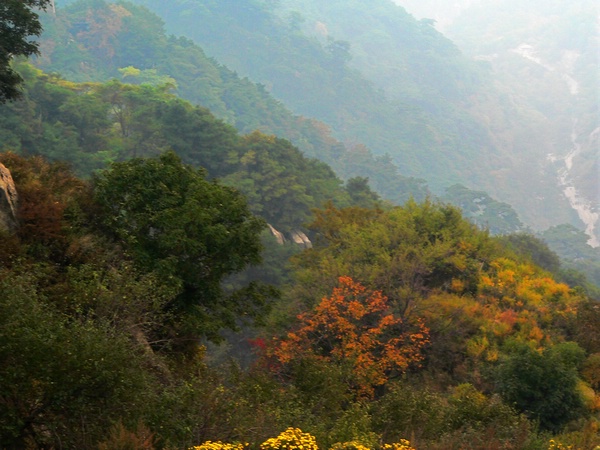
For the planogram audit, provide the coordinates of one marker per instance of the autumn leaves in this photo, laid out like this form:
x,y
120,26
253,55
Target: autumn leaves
x,y
355,326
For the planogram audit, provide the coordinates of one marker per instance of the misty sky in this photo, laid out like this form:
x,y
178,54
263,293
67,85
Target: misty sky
x,y
443,11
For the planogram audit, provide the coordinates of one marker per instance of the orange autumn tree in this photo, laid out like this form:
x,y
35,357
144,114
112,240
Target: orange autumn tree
x,y
355,327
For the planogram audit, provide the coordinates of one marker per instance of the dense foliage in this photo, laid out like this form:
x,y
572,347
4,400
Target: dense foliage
x,y
357,328
192,232
19,21
93,124
429,339
97,40
126,289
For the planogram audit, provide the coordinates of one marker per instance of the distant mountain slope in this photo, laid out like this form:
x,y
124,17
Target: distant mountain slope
x,y
550,56
92,40
407,58
459,126
546,55
426,139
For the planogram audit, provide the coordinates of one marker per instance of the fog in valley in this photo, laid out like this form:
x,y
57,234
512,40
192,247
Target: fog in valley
x,y
546,53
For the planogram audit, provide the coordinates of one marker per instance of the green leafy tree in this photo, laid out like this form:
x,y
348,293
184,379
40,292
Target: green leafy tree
x,y
193,232
272,173
531,247
405,252
543,384
360,192
197,136
18,22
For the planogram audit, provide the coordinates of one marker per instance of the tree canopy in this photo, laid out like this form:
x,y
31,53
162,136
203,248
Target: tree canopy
x,y
18,22
122,293
193,232
355,327
412,322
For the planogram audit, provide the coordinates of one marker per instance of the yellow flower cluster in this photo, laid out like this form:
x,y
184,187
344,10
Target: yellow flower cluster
x,y
402,445
291,439
209,445
554,445
352,445
296,439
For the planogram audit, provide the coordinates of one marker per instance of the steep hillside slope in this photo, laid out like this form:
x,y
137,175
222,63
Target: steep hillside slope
x,y
90,125
315,77
381,77
96,41
545,54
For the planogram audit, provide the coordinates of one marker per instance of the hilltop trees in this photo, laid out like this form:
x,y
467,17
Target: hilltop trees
x,y
270,172
405,252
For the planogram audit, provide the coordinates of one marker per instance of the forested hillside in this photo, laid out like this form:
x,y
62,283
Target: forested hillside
x,y
400,322
315,80
457,126
149,300
94,41
409,59
93,124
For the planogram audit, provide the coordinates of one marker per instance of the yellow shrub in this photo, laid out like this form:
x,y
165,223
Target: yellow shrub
x,y
291,439
555,445
402,445
209,445
352,445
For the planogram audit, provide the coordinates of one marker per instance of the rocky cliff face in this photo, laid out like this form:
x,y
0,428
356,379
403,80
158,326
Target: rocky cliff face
x,y
297,237
8,201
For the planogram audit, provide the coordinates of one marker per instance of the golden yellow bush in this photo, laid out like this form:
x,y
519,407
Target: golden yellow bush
x,y
291,439
296,439
210,445
402,445
352,445
554,445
